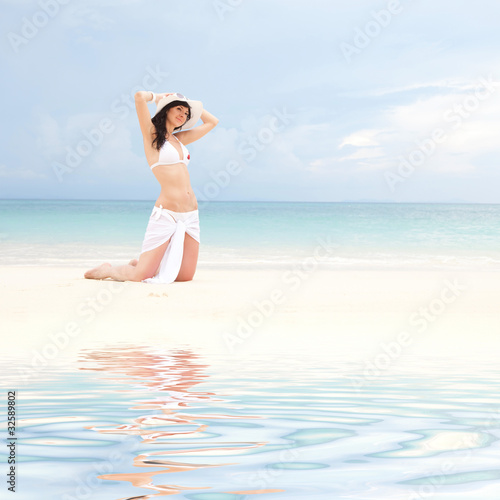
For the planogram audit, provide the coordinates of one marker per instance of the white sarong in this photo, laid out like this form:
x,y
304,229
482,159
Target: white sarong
x,y
163,225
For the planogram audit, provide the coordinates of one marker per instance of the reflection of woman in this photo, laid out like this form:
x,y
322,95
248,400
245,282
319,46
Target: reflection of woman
x,y
171,376
173,372
170,246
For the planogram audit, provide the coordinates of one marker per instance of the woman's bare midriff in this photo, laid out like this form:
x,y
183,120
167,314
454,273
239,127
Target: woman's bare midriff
x,y
176,191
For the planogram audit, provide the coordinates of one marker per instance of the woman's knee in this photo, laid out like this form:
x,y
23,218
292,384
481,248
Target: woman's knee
x,y
185,277
137,278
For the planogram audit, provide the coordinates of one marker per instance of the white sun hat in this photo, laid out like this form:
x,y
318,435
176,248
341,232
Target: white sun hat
x,y
196,107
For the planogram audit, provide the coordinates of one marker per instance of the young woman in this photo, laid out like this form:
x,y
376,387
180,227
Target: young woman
x,y
170,246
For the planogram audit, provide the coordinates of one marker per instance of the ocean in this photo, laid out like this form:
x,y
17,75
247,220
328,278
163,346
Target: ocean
x,y
107,419
242,234
130,422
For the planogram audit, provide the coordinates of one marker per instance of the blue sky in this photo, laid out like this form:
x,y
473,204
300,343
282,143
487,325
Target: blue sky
x,y
318,101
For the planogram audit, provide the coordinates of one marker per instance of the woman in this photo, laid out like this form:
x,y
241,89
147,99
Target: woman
x,y
171,244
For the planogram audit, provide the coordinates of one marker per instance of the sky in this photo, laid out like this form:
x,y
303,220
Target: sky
x,y
324,100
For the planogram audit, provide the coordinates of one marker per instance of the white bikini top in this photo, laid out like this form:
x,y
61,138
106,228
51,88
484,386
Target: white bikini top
x,y
170,156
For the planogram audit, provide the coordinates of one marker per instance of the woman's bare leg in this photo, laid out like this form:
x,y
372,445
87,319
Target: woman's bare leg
x,y
189,259
146,267
126,272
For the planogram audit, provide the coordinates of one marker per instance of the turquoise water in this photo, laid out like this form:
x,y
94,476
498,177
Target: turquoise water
x,y
246,233
135,422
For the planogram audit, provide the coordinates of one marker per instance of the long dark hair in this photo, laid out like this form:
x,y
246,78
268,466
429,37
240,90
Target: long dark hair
x,y
160,120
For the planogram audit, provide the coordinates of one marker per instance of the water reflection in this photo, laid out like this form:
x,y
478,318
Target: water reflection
x,y
173,376
161,423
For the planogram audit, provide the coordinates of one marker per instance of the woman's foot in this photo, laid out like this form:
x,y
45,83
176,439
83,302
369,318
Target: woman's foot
x,y
99,273
133,262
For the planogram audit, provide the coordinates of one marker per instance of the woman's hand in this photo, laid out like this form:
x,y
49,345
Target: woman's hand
x,y
159,97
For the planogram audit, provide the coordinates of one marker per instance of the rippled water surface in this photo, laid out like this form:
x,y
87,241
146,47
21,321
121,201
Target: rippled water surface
x,y
132,422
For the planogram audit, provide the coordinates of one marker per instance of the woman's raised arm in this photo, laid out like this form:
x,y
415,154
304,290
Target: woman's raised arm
x,y
209,122
141,98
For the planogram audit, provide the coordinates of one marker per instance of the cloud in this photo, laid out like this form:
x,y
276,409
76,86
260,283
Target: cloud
x,y
81,148
20,173
448,85
361,138
350,122
364,154
90,18
465,121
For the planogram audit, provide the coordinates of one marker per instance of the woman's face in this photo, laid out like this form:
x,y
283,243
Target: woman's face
x,y
178,115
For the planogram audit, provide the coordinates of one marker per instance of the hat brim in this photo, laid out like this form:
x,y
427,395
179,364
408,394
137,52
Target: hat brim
x,y
196,109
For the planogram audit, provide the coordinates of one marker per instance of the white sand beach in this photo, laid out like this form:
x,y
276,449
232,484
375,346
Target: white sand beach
x,y
50,311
